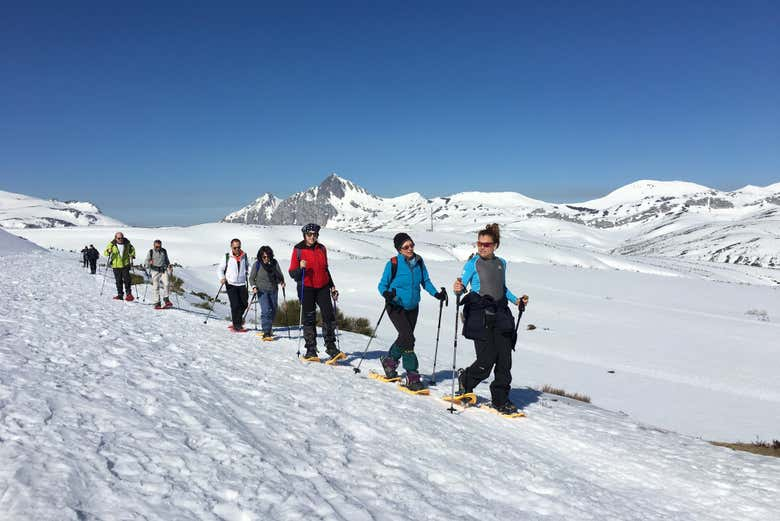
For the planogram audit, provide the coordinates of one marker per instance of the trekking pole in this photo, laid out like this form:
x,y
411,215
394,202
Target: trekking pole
x,y
249,306
336,316
176,295
455,352
146,285
214,303
132,272
442,303
256,329
105,274
300,315
286,320
520,311
357,369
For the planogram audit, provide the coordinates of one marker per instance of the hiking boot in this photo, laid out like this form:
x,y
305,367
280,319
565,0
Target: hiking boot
x,y
168,303
462,383
414,382
507,408
129,297
267,335
332,351
157,305
311,353
119,297
389,364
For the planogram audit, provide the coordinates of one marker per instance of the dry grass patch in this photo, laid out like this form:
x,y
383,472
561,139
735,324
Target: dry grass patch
x,y
764,448
289,315
562,392
176,284
207,303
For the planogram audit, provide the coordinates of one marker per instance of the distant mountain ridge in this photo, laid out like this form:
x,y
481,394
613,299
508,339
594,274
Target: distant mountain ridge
x,y
22,211
341,204
653,216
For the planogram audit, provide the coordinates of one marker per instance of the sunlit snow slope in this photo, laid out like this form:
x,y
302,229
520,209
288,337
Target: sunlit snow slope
x,y
111,410
687,352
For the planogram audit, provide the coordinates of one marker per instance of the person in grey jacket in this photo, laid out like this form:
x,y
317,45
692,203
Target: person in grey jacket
x,y
265,279
160,267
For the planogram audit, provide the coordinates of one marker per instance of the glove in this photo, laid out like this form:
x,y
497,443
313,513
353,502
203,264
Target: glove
x,y
389,297
441,295
335,294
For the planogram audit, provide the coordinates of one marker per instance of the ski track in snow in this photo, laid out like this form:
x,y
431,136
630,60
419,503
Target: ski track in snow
x,y
111,410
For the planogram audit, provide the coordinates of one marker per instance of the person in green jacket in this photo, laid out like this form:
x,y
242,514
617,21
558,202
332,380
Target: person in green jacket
x,y
120,254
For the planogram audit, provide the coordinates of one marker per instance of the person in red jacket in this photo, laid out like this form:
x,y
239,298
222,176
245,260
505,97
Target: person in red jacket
x,y
309,267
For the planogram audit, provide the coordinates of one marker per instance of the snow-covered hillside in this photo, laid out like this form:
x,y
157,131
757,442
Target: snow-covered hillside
x,y
665,218
12,244
22,211
667,327
111,410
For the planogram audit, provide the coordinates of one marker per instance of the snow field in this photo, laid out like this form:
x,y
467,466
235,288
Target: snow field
x,y
110,410
684,351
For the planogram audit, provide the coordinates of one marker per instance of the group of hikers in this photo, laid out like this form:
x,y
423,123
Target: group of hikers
x,y
121,253
486,315
89,257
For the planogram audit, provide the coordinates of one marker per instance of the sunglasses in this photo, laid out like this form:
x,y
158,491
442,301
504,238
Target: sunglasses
x,y
485,244
265,257
312,234
408,247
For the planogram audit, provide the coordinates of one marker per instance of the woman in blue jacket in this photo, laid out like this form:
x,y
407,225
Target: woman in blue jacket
x,y
488,321
400,286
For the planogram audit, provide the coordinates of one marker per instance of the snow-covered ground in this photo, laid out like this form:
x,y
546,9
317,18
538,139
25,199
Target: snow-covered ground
x,y
111,410
13,244
24,211
688,353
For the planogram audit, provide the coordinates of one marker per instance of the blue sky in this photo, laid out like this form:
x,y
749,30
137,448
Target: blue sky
x,y
173,114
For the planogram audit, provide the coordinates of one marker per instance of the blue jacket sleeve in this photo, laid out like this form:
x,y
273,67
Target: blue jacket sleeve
x,y
509,295
426,282
384,282
468,273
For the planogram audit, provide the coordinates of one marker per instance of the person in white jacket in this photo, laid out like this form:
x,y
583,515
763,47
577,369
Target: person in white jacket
x,y
233,274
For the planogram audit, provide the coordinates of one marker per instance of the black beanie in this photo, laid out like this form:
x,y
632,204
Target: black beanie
x,y
400,239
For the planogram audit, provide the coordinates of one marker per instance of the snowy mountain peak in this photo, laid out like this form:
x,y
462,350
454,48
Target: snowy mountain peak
x,y
23,211
340,187
82,206
266,197
645,189
259,211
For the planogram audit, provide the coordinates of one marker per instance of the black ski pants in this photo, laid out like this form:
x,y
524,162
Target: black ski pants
x,y
494,350
93,265
239,301
122,276
321,298
404,321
